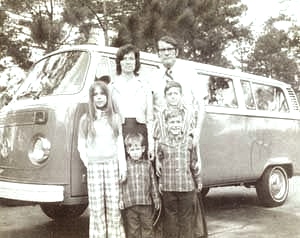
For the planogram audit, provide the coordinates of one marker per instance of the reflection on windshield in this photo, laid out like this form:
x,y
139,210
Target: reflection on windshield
x,y
58,74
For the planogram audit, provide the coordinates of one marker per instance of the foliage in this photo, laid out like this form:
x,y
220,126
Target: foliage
x,y
203,27
104,15
29,24
80,13
45,33
294,40
272,55
10,45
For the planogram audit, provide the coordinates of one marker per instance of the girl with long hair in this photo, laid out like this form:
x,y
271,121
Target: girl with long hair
x,y
101,148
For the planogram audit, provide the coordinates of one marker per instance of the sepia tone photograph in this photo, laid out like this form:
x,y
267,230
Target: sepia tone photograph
x,y
149,119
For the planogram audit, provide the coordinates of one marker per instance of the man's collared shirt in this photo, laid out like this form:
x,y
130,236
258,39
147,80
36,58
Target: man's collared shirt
x,y
140,187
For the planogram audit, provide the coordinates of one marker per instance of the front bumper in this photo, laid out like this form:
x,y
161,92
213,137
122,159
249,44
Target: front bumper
x,y
31,192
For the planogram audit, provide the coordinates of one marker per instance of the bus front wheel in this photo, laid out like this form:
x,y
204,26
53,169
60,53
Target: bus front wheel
x,y
273,187
59,211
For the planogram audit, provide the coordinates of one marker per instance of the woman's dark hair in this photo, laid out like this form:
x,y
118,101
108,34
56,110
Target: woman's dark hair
x,y
123,50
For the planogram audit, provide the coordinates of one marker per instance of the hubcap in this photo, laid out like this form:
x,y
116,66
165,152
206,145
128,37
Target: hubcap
x,y
277,184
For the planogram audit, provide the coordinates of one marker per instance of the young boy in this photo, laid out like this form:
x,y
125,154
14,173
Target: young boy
x,y
179,177
139,191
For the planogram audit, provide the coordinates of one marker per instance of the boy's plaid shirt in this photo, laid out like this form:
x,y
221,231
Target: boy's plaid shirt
x,y
140,187
179,164
178,157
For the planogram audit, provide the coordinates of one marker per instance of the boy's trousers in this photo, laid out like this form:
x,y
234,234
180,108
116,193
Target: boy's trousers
x,y
179,213
138,221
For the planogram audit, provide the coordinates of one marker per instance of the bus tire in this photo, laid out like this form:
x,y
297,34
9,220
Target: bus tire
x,y
59,211
273,187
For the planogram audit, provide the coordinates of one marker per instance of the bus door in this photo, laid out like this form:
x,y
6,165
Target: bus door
x,y
225,147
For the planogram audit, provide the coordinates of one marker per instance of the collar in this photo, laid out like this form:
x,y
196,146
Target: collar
x,y
120,82
180,106
100,114
176,139
171,69
139,161
168,109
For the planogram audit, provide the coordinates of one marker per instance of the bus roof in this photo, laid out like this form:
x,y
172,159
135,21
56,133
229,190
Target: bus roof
x,y
201,67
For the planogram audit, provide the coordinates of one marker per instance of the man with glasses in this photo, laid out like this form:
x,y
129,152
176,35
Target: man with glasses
x,y
192,99
183,74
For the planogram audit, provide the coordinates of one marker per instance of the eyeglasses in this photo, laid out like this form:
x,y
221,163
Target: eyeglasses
x,y
165,50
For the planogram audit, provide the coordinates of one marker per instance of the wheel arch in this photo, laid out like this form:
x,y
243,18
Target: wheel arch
x,y
283,162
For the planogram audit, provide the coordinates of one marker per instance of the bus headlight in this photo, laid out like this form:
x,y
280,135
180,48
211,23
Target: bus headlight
x,y
39,151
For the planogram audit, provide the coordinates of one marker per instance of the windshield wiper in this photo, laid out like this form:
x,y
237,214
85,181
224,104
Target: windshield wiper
x,y
25,94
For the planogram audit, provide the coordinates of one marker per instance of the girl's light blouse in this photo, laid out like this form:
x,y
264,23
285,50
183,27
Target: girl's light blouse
x,y
104,145
101,148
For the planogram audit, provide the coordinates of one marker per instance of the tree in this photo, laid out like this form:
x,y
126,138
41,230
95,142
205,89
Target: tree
x,y
31,24
203,27
102,14
25,27
3,37
47,24
294,41
10,44
272,55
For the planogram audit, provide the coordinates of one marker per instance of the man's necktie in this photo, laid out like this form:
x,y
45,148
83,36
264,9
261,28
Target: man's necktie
x,y
168,74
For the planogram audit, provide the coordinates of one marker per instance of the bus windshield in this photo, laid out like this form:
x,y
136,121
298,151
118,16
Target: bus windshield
x,y
56,75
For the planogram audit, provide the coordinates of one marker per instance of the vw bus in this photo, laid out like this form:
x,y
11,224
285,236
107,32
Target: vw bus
x,y
250,133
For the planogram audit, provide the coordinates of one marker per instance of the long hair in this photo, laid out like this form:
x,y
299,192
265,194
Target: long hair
x,y
112,115
123,50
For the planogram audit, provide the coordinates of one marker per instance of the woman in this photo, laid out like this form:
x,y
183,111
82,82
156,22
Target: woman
x,y
133,96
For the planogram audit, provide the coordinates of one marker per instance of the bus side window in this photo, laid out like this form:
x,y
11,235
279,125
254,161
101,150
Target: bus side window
x,y
221,92
264,97
248,96
281,101
270,98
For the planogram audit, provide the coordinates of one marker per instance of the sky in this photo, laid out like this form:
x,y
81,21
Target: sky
x,y
260,11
